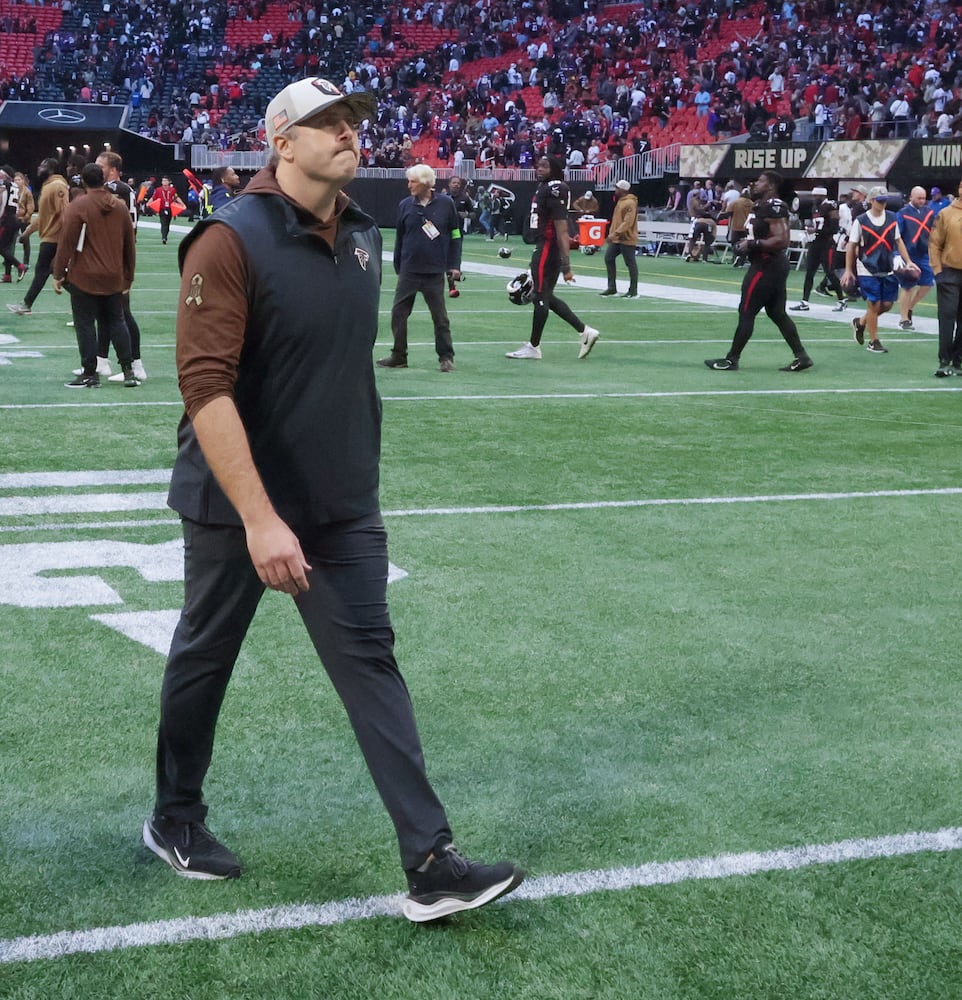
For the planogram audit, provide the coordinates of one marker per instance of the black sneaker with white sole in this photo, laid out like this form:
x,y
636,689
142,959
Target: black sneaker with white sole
x,y
451,883
722,364
84,382
798,365
858,330
190,849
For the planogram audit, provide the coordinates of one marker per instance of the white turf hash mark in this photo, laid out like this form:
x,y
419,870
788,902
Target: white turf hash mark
x,y
229,925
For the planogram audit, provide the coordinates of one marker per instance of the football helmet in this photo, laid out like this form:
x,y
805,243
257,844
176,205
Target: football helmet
x,y
521,289
504,253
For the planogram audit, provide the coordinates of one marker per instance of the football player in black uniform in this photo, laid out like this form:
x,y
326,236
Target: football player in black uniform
x,y
823,229
764,286
9,226
548,227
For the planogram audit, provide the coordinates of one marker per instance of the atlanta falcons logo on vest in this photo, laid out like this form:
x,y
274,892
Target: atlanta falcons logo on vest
x,y
362,257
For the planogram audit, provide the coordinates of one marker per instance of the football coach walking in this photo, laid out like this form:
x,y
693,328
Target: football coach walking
x,y
276,482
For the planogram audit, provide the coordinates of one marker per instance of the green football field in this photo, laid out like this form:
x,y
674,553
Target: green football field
x,y
682,643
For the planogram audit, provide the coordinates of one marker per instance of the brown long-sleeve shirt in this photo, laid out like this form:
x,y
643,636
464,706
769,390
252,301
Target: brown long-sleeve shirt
x,y
945,243
53,200
96,248
624,221
25,206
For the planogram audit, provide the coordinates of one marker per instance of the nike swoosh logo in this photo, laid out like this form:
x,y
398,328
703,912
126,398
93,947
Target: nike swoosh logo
x,y
184,861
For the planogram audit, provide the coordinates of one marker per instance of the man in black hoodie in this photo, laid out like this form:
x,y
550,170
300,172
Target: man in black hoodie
x,y
276,481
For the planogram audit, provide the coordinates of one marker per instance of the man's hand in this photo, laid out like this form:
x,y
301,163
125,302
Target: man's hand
x,y
455,274
848,279
58,286
569,277
277,556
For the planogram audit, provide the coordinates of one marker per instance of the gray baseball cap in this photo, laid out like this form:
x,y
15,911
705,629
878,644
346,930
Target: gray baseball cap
x,y
308,97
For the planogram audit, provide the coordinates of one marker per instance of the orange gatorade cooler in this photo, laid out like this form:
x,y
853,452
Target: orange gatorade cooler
x,y
592,232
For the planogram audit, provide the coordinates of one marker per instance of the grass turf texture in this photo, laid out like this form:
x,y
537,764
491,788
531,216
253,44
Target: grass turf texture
x,y
596,687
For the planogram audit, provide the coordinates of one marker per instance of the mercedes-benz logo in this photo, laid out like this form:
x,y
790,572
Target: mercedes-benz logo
x,y
61,116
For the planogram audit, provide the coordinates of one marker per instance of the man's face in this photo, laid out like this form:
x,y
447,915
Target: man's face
x,y
104,166
325,148
418,189
543,169
917,198
231,179
762,188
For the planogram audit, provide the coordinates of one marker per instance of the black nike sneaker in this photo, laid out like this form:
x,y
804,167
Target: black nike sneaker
x,y
190,849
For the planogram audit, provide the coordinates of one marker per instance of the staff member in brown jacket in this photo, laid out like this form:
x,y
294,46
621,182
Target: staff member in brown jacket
x,y
623,240
26,206
97,256
49,223
945,258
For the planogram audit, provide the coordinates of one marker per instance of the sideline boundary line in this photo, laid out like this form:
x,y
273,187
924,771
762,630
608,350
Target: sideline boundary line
x,y
224,926
501,397
100,503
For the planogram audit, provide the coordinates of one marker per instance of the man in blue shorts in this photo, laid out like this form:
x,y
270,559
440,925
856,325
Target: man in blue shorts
x,y
873,246
915,224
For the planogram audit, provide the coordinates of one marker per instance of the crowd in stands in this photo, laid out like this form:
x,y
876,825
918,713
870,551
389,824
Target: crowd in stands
x,y
501,83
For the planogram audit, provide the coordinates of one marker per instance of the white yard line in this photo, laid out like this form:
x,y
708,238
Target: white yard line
x,y
86,503
224,926
501,397
83,477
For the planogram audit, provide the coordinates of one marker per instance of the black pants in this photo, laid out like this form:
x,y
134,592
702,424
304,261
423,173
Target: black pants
x,y
9,228
545,271
24,226
820,256
45,256
612,252
432,287
764,287
103,335
165,216
346,616
948,291
107,313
